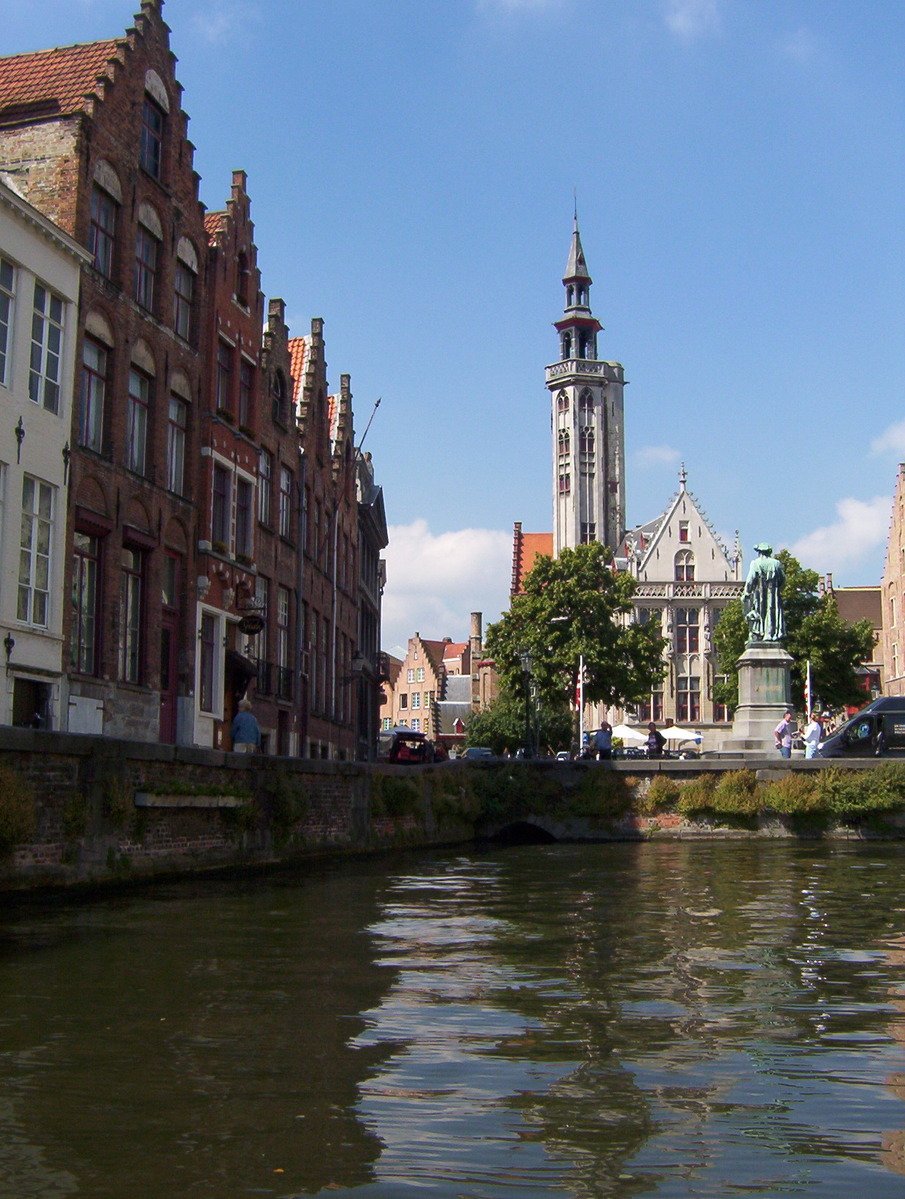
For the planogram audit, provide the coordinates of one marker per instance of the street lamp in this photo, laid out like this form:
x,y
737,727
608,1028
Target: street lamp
x,y
527,661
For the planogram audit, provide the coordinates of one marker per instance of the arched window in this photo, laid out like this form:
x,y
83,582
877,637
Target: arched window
x,y
587,441
582,344
586,408
278,397
562,402
567,345
564,441
570,295
242,278
684,566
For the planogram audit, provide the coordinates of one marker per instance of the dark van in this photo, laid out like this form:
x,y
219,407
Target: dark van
x,y
876,730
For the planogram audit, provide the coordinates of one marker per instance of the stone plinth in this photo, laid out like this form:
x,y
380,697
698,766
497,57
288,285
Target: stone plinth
x,y
764,695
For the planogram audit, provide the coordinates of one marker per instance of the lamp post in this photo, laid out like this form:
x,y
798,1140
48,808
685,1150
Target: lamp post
x,y
527,662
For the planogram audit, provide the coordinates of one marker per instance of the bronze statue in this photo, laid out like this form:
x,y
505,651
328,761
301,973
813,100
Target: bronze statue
x,y
762,597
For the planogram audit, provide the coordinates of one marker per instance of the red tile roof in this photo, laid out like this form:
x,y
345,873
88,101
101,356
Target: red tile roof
x,y
859,603
526,549
213,223
50,82
454,649
297,349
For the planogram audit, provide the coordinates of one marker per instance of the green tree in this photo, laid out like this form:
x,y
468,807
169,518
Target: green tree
x,y
577,605
502,724
814,631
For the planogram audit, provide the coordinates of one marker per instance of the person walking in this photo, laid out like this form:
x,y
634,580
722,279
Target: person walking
x,y
655,741
246,731
782,735
603,741
813,731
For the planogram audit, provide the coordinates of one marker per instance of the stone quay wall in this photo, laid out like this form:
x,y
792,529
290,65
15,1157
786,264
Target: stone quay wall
x,y
103,811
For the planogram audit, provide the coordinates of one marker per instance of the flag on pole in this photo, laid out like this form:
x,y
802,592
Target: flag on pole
x,y
807,690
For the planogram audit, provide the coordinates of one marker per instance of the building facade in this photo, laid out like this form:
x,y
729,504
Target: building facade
x,y
209,549
892,590
229,418
39,288
96,138
685,578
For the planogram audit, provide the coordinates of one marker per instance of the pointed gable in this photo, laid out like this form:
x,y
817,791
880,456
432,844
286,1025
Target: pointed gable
x,y
682,532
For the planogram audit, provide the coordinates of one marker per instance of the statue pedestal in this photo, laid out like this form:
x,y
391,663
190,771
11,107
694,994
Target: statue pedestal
x,y
764,696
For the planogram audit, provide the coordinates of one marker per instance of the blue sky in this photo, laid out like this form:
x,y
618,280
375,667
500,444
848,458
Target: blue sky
x,y
740,172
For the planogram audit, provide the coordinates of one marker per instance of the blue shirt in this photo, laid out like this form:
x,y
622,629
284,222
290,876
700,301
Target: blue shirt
x,y
603,739
245,729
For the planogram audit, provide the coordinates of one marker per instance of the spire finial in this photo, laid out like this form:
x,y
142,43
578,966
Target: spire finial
x,y
683,476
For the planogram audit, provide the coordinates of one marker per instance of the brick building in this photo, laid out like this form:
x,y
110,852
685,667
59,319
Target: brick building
x,y
95,136
228,477
212,531
329,534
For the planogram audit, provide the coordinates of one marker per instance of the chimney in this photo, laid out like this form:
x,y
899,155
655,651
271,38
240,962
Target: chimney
x,y
476,637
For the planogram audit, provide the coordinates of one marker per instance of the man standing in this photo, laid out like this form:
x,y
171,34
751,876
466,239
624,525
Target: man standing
x,y
782,735
603,741
812,734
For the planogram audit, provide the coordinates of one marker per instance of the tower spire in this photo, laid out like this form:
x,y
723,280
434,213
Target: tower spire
x,y
587,419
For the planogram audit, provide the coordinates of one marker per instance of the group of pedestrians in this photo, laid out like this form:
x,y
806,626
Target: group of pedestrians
x,y
785,732
603,741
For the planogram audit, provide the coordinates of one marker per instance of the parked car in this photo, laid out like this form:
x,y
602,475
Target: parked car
x,y
876,730
405,746
477,752
564,756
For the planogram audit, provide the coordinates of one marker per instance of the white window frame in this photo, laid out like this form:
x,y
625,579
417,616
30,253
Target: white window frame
x,y
35,553
45,375
7,319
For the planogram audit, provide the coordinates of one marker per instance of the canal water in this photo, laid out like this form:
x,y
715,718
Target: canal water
x,y
600,1020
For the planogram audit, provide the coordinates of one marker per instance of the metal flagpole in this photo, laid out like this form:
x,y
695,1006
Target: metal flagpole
x,y
580,702
807,691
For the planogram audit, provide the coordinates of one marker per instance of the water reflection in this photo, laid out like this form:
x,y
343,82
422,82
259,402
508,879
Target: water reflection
x,y
701,1020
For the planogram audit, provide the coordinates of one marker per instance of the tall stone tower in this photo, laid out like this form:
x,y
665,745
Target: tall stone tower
x,y
587,422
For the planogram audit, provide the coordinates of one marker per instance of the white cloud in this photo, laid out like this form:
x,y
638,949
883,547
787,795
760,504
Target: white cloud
x,y
800,45
656,455
890,441
689,20
435,581
230,18
861,527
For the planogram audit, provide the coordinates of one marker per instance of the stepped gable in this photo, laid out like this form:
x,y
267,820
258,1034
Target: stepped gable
x,y
526,549
435,651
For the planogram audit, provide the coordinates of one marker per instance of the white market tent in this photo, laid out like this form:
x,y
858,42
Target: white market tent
x,y
630,735
672,732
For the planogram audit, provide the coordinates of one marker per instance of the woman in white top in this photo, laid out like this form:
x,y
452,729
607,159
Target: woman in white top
x,y
812,734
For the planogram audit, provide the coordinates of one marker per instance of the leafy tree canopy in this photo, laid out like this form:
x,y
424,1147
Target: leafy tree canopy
x,y
502,725
814,631
574,605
